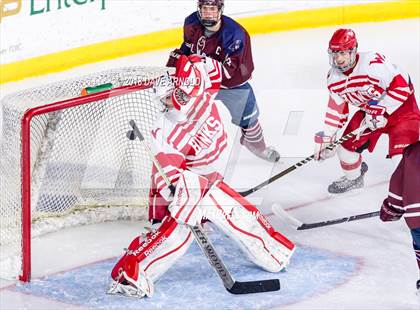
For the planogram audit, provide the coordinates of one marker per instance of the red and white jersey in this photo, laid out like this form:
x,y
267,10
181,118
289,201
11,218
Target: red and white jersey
x,y
373,78
195,142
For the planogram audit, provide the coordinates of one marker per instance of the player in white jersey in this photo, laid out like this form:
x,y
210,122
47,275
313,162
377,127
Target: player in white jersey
x,y
189,140
193,140
384,96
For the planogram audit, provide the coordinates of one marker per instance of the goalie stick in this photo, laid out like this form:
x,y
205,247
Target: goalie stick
x,y
280,212
232,286
303,162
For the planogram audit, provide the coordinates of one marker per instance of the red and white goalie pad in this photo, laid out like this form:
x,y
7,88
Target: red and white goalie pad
x,y
242,221
235,216
148,257
190,190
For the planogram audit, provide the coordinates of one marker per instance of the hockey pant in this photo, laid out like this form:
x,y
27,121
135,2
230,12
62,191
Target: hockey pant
x,y
401,134
147,258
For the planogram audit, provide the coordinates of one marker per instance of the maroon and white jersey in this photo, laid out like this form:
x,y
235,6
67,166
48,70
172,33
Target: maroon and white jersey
x,y
404,186
372,78
230,45
194,142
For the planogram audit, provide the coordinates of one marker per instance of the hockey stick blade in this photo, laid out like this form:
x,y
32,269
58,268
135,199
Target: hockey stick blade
x,y
255,287
131,135
232,286
135,132
281,213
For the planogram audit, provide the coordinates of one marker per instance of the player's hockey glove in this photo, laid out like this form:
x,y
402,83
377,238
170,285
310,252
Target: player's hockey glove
x,y
389,212
173,57
375,115
321,142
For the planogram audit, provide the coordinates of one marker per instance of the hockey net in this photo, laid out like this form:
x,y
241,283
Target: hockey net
x,y
66,160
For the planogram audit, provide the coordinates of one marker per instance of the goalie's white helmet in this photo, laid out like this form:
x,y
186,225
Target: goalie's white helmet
x,y
162,91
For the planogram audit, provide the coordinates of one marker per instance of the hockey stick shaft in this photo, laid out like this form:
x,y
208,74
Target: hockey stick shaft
x,y
280,212
338,221
302,162
198,232
203,241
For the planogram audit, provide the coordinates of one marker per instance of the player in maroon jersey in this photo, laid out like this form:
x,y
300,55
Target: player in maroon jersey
x,y
384,96
208,32
404,196
188,141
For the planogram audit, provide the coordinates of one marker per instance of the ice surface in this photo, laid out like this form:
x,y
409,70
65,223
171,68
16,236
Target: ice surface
x,y
364,264
191,282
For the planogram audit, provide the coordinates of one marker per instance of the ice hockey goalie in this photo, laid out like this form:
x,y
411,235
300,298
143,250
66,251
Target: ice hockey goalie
x,y
188,141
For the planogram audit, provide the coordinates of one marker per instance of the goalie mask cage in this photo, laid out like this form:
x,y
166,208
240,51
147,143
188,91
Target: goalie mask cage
x,y
66,160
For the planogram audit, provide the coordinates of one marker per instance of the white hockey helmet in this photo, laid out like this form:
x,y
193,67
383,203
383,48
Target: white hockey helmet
x,y
162,91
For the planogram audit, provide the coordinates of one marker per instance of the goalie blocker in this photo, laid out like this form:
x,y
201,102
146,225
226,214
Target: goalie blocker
x,y
150,255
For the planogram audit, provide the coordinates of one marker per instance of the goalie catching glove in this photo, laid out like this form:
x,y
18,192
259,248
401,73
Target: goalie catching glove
x,y
149,256
173,57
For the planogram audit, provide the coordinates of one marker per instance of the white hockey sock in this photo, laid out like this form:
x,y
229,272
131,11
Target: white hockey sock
x,y
350,163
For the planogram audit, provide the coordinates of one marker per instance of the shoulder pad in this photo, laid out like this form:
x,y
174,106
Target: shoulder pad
x,y
192,19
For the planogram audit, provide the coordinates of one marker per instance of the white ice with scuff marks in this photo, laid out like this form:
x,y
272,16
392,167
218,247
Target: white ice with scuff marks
x,y
290,75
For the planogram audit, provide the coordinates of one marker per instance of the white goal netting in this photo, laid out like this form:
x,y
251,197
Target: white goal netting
x,y
83,169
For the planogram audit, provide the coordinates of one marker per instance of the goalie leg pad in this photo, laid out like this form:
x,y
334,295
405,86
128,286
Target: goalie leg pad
x,y
190,190
148,257
242,221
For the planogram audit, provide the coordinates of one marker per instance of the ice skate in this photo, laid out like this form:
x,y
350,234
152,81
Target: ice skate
x,y
138,286
268,153
343,184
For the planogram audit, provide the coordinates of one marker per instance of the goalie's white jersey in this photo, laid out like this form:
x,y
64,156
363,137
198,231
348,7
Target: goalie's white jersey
x,y
195,143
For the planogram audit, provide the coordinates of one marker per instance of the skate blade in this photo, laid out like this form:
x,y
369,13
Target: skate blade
x,y
347,193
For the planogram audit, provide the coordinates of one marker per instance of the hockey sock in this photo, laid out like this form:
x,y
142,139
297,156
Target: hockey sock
x,y
252,136
350,163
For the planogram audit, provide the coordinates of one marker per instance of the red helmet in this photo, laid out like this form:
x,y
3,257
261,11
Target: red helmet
x,y
343,40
